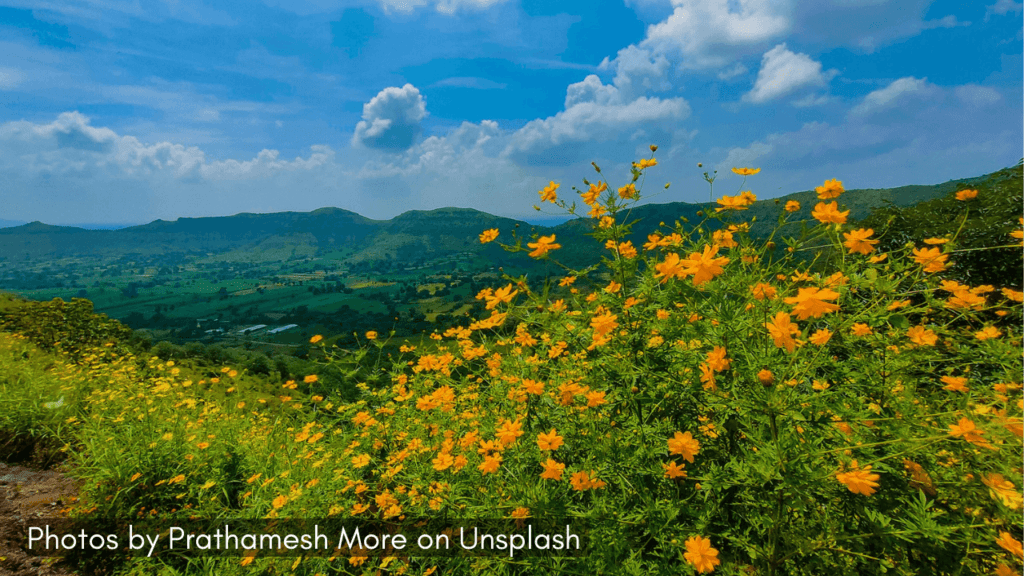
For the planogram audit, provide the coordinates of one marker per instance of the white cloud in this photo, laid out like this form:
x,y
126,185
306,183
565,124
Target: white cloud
x,y
737,69
473,82
812,100
782,72
712,33
391,119
595,121
977,95
11,78
308,7
1002,7
893,94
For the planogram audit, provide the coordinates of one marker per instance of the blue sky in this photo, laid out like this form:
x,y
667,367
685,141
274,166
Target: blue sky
x,y
122,111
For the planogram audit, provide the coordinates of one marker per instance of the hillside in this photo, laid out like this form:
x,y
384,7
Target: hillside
x,y
440,232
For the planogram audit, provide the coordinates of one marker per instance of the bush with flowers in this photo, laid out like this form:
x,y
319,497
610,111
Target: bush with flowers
x,y
702,403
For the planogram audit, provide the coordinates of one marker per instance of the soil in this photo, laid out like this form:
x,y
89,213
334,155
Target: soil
x,y
27,493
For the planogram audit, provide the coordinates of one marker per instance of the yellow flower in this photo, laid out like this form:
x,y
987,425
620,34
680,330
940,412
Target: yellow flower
x,y
704,266
543,245
1002,490
782,331
490,464
830,189
829,213
792,206
987,333
361,460
859,480
861,329
549,441
821,337
312,340
763,291
628,191
954,383
932,259
746,171
732,203
966,429
280,501
488,235
310,379
766,377
700,553
552,470
811,302
371,335
673,470
857,241
1007,542
965,195
548,194
443,461
922,336
685,445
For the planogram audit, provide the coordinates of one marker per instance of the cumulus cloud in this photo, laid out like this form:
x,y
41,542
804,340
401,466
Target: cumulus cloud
x,y
783,72
596,112
713,33
392,119
1002,7
893,94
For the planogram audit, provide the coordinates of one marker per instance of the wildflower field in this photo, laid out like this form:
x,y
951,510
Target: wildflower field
x,y
704,402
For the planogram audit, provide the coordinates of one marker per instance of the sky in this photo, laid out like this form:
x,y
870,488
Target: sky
x,y
124,111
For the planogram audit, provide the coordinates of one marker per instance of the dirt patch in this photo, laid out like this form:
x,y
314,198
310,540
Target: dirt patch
x,y
26,493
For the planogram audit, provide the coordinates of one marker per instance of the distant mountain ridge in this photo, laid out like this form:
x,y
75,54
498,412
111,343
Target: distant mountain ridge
x,y
414,233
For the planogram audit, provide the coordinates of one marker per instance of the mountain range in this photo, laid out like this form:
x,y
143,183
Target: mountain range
x,y
414,233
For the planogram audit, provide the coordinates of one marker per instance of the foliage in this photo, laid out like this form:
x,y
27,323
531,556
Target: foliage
x,y
705,402
987,221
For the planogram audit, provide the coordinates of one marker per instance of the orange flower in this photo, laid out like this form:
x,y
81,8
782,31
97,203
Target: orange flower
x,y
1007,542
766,377
810,302
861,329
987,333
490,464
746,171
820,337
1001,489
859,480
488,235
965,195
279,502
627,191
969,432
316,339
548,194
591,195
716,359
732,203
704,267
673,470
443,461
792,206
857,241
782,331
552,470
549,441
829,213
922,336
670,268
762,291
932,259
954,383
700,553
604,322
542,246
830,189
585,481
371,335
509,432
685,445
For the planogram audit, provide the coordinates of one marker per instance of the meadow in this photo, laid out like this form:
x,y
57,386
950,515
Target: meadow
x,y
818,400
